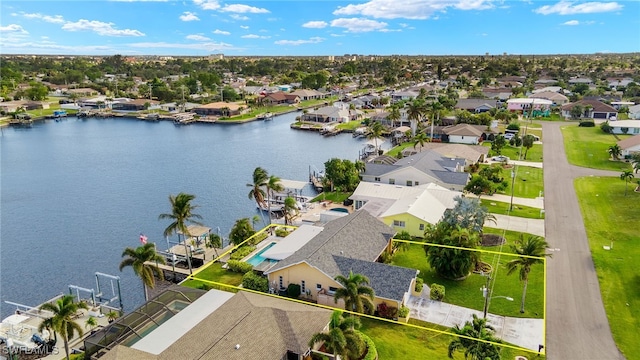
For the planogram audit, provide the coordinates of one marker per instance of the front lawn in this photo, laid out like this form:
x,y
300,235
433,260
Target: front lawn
x,y
534,154
612,218
215,272
467,292
588,147
502,208
400,342
528,182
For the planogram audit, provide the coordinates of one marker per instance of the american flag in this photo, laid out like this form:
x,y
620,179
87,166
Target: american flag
x,y
143,238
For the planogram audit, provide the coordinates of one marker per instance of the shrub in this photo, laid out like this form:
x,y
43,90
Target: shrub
x,y
239,266
252,281
387,312
437,292
293,291
403,312
242,251
419,284
282,232
605,127
587,124
513,126
372,352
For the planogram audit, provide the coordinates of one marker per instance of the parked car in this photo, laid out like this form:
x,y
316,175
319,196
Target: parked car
x,y
509,136
500,158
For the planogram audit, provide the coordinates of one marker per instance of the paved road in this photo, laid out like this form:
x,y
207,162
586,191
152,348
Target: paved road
x,y
577,326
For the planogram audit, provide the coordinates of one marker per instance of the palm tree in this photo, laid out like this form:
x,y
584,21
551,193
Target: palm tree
x,y
416,110
64,309
290,210
241,231
475,350
375,131
435,107
260,178
215,241
420,138
636,166
273,185
533,247
181,214
615,151
626,176
394,115
355,292
342,338
139,259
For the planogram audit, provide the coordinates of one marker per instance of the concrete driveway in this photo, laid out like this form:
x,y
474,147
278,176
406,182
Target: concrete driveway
x,y
577,325
530,226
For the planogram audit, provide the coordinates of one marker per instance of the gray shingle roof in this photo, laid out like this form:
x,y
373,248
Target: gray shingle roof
x,y
358,236
387,281
429,162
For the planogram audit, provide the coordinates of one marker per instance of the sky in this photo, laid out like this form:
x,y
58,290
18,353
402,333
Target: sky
x,y
318,27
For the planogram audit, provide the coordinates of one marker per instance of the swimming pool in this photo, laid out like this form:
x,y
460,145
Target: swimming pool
x,y
256,259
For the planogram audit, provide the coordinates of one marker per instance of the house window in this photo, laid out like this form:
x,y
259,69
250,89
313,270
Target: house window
x,y
416,183
409,183
318,287
398,223
421,227
636,131
376,179
281,282
303,286
392,181
332,290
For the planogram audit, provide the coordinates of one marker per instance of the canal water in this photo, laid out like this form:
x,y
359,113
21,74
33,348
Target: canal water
x,y
75,193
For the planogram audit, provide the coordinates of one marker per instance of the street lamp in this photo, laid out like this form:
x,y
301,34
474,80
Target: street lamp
x,y
513,180
486,293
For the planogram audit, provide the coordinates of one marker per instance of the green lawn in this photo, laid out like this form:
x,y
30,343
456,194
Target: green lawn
x,y
336,197
528,182
610,217
215,272
467,292
534,154
351,125
399,342
502,208
588,147
398,149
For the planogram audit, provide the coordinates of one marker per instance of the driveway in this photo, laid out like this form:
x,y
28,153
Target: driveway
x,y
523,332
514,223
577,325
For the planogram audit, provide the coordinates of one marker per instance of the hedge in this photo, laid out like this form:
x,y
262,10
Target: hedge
x,y
239,266
255,282
241,252
372,352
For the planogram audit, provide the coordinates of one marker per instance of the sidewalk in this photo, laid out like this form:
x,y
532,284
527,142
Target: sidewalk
x,y
535,203
514,223
519,163
523,332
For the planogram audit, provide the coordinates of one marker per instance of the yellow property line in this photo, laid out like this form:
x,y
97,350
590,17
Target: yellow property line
x,y
442,332
468,249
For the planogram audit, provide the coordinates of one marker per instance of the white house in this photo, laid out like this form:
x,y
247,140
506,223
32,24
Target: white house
x,y
634,112
630,146
625,127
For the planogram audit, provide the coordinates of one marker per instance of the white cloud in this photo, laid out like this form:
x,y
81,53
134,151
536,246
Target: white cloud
x,y
254,36
13,28
244,27
239,17
221,32
208,46
570,8
197,37
337,35
207,4
358,24
56,19
572,23
100,28
410,9
315,24
139,0
390,30
313,40
48,46
240,8
189,16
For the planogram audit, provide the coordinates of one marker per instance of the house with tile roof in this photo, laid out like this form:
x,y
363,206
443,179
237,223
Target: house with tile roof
x,y
422,168
555,97
280,97
592,109
476,105
223,325
308,94
351,243
404,208
630,146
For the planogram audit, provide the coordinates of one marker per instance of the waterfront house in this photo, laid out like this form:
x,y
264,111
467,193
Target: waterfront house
x,y
630,146
134,105
12,106
351,243
591,109
220,109
279,97
329,114
174,107
421,168
308,94
192,324
405,208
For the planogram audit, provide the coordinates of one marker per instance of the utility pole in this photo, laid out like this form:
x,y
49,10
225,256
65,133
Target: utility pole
x,y
487,294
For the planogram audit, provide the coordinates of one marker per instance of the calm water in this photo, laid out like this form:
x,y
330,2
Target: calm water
x,y
75,193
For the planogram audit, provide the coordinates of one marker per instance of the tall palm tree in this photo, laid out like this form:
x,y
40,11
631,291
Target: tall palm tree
x,y
181,214
394,115
355,292
64,309
342,338
137,258
290,210
257,193
531,246
273,185
475,350
420,139
615,151
626,176
435,108
375,131
415,112
215,241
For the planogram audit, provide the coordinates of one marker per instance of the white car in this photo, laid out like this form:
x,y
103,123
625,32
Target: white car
x,y
509,136
500,158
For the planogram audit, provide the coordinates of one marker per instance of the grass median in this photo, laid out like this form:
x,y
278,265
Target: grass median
x,y
611,218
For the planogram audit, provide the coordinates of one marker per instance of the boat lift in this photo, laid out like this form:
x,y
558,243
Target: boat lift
x,y
99,298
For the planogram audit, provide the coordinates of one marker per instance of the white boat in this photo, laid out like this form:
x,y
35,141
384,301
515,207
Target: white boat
x,y
274,207
266,116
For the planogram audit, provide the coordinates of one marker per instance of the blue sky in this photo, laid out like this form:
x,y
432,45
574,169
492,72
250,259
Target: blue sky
x,y
318,27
